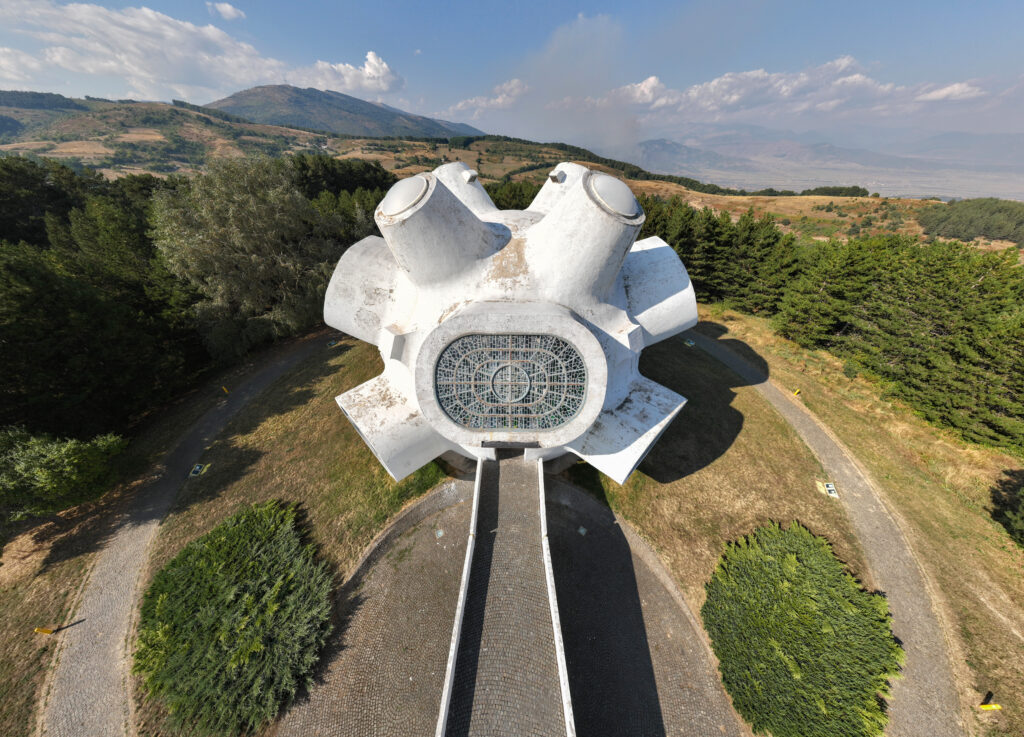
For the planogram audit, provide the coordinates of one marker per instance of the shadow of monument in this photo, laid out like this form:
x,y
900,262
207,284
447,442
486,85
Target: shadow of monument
x,y
608,656
708,425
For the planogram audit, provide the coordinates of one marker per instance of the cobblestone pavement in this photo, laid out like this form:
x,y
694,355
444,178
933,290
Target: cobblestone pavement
x,y
88,693
637,664
506,674
924,701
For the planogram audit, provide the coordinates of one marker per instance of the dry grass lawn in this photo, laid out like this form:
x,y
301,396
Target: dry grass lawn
x,y
941,489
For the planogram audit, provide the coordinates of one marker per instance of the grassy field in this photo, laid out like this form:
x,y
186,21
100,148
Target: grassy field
x,y
941,490
294,444
45,562
727,465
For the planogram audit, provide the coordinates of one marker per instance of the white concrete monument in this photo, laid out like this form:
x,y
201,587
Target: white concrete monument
x,y
510,328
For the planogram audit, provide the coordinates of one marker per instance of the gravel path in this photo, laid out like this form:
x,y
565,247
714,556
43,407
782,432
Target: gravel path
x,y
924,701
88,693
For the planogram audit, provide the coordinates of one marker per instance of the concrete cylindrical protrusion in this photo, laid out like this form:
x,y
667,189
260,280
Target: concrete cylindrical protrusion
x,y
465,184
560,180
360,290
431,232
586,235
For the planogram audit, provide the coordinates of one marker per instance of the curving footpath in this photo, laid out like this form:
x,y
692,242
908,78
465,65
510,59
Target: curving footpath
x,y
924,701
88,694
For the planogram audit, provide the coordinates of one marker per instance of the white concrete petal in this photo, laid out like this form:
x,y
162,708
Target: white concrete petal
x,y
659,292
361,289
623,434
391,425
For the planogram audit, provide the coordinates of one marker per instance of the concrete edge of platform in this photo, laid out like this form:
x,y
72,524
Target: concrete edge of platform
x,y
448,493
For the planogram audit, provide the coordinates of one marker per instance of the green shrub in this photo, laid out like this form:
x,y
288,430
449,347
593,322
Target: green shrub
x,y
232,627
40,474
804,651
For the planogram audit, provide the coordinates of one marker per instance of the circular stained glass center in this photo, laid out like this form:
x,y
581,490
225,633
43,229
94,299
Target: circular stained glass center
x,y
510,381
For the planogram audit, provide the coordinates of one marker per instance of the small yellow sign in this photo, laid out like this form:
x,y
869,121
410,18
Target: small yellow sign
x,y
990,707
796,393
43,631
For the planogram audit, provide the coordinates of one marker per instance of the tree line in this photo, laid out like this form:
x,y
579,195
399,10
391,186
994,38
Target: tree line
x,y
940,324
117,295
987,217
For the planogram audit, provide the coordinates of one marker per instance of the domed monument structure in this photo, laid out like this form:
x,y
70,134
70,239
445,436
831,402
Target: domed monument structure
x,y
510,328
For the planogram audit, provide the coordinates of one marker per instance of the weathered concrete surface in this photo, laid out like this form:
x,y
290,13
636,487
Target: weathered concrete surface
x,y
924,701
88,693
449,263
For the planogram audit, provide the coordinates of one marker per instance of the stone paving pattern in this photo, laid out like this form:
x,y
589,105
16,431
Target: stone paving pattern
x,y
506,673
637,664
88,694
924,700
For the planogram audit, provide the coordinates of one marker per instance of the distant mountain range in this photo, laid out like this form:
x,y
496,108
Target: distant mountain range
x,y
282,104
894,163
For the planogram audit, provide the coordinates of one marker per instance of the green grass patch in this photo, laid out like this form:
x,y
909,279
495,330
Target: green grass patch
x,y
804,651
231,628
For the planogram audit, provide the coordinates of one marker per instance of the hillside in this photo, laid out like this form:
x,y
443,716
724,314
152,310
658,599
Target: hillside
x,y
325,110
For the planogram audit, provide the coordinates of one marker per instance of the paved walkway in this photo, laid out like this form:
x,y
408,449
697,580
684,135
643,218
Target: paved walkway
x,y
638,664
506,674
88,693
924,701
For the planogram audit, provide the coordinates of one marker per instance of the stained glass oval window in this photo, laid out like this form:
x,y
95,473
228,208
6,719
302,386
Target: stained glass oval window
x,y
510,382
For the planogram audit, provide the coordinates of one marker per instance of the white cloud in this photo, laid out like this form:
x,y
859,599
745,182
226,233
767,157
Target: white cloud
x,y
227,11
955,91
158,56
838,89
502,97
17,66
373,76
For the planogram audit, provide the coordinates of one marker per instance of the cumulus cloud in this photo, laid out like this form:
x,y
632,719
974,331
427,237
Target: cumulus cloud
x,y
838,89
373,76
158,56
955,91
17,66
227,11
502,97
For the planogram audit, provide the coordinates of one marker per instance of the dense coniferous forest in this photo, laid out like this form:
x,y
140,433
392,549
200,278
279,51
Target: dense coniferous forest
x,y
969,219
116,295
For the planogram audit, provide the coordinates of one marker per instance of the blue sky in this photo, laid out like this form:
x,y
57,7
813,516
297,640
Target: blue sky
x,y
553,69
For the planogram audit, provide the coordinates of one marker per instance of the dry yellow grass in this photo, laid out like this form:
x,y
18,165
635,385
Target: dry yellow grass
x,y
728,464
940,488
141,134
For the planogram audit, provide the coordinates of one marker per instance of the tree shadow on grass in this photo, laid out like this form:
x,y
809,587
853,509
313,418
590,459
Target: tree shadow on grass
x,y
1007,496
280,382
708,425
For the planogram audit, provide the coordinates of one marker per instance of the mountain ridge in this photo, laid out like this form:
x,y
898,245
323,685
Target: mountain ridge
x,y
335,112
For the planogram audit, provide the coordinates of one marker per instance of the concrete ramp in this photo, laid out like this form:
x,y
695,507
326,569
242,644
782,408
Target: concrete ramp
x,y
509,671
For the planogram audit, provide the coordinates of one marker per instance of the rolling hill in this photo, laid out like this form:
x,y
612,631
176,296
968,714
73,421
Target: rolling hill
x,y
282,104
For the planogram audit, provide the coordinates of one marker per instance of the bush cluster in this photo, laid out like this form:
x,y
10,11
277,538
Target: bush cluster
x,y
40,474
231,628
804,651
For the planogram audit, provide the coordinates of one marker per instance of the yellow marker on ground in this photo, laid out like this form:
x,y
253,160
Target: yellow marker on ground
x,y
225,389
990,707
796,393
43,631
